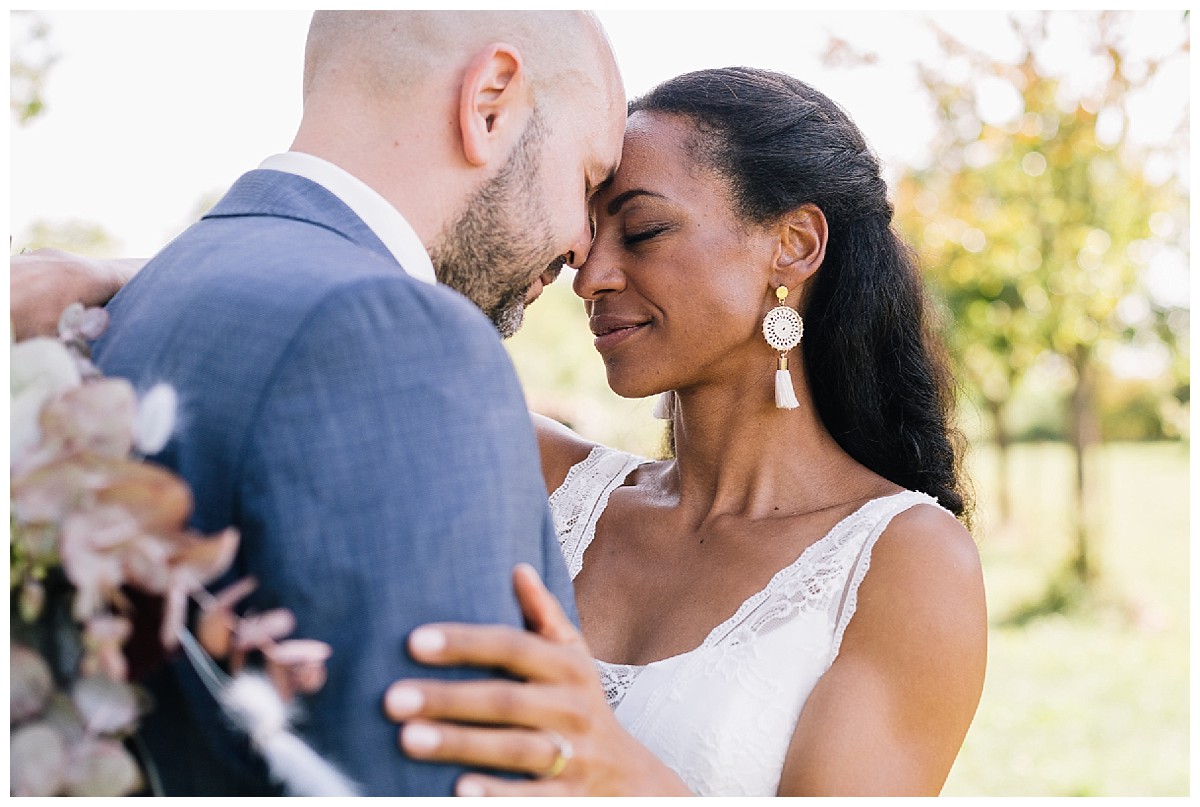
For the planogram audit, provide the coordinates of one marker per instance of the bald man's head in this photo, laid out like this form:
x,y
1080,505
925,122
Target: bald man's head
x,y
488,130
386,54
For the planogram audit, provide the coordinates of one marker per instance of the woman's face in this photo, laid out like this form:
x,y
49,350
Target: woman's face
x,y
675,285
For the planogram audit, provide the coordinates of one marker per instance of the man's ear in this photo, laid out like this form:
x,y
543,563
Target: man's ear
x,y
493,98
803,234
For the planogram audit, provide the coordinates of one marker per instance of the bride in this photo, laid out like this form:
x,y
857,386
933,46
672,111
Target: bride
x,y
791,603
788,605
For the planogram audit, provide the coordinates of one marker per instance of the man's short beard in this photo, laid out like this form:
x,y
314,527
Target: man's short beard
x,y
494,251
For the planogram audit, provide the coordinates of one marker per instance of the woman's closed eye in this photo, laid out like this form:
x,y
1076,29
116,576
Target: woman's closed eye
x,y
638,236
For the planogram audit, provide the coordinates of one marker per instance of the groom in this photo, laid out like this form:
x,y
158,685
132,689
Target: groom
x,y
359,423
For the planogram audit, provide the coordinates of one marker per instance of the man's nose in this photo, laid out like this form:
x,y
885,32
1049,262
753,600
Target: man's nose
x,y
581,245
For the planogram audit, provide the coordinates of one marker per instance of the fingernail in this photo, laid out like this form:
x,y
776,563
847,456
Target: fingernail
x,y
421,739
427,640
468,788
403,701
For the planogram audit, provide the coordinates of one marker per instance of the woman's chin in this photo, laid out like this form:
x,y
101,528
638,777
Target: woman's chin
x,y
632,388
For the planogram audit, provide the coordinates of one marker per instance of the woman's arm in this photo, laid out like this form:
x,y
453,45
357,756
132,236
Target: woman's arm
x,y
554,724
890,715
560,449
42,283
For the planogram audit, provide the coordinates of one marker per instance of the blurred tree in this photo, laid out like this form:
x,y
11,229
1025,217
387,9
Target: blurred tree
x,y
1040,223
82,237
30,58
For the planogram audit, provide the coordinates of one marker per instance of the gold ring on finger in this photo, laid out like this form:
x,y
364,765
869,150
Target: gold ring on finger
x,y
563,754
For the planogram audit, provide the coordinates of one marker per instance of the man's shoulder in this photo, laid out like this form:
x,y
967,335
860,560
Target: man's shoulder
x,y
281,271
233,299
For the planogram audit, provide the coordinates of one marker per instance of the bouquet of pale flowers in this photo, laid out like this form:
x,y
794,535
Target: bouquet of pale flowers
x,y
94,526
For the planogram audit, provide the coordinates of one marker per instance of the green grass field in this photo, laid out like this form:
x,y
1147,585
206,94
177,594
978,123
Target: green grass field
x,y
1094,702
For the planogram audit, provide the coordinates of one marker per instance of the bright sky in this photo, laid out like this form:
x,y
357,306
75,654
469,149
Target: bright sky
x,y
149,112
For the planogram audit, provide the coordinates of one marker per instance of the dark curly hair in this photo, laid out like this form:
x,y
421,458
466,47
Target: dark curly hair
x,y
879,376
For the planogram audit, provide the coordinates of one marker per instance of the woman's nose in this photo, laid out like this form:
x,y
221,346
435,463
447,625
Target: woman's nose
x,y
598,275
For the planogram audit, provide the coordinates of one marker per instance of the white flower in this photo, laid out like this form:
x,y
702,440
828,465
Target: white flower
x,y
255,706
155,419
40,369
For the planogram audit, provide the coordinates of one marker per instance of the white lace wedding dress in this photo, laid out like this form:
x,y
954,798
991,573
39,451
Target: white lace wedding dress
x,y
722,715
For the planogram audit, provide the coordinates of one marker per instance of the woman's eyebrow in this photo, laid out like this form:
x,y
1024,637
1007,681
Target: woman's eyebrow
x,y
617,202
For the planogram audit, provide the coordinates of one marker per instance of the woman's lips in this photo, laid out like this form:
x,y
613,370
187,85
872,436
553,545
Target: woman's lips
x,y
611,331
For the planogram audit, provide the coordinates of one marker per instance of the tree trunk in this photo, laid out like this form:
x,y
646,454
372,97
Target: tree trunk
x,y
1084,433
1003,444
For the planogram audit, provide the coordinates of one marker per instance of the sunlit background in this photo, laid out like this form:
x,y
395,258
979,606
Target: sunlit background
x,y
1039,163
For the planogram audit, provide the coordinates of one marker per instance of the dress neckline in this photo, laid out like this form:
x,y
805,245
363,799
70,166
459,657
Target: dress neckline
x,y
754,599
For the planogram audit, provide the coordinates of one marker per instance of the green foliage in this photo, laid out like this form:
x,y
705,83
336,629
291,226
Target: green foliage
x,y
1038,227
30,59
1041,228
1142,409
81,237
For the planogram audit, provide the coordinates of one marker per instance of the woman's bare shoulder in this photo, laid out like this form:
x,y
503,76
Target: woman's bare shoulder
x,y
933,542
908,677
927,560
560,449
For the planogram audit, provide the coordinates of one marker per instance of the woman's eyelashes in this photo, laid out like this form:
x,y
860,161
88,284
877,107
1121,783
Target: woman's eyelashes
x,y
640,235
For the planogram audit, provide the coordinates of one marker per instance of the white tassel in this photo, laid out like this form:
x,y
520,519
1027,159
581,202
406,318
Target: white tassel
x,y
257,709
785,394
664,407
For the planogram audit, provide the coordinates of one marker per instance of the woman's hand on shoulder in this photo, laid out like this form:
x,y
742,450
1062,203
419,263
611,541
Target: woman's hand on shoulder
x,y
554,724
891,713
43,282
560,449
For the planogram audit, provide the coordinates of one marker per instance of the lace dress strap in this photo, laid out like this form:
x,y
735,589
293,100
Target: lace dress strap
x,y
580,500
884,511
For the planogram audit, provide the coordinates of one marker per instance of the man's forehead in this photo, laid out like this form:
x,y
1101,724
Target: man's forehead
x,y
610,158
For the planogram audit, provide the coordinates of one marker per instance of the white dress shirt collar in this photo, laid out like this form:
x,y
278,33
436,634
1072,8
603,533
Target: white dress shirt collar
x,y
376,212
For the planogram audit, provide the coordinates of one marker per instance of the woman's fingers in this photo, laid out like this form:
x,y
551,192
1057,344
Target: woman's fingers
x,y
494,702
521,653
474,784
520,750
541,609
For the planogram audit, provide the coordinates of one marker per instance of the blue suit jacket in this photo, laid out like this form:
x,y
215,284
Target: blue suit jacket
x,y
368,436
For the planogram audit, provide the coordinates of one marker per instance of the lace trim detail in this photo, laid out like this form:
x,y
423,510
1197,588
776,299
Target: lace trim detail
x,y
901,503
815,582
809,582
825,577
579,501
617,680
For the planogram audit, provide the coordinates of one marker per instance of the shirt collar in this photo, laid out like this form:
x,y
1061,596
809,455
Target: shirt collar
x,y
376,212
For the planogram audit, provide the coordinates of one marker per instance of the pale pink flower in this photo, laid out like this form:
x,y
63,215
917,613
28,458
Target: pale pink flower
x,y
103,637
297,665
39,369
102,768
79,324
96,418
30,683
37,759
106,706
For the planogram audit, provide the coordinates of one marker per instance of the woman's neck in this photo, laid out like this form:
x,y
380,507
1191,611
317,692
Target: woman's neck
x,y
737,454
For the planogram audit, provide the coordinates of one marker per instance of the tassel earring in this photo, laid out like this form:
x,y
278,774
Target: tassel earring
x,y
664,407
783,329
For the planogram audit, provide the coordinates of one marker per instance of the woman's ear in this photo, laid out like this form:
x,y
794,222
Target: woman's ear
x,y
493,104
801,250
